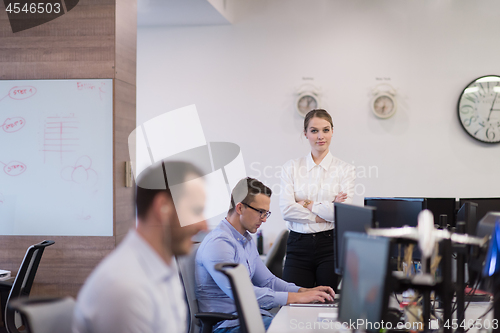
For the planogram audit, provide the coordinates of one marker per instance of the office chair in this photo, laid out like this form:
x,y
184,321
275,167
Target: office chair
x,y
274,259
186,266
244,297
22,283
45,315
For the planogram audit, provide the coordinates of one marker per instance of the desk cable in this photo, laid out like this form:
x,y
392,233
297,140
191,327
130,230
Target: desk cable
x,y
419,300
461,316
465,308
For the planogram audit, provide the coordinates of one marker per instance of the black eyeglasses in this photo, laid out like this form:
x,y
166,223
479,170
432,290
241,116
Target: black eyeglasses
x,y
263,213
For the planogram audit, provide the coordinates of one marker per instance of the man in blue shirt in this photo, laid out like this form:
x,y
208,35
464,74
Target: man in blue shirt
x,y
231,242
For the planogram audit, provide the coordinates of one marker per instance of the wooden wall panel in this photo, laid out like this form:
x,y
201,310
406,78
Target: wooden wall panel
x,y
46,70
126,41
124,124
77,45
90,41
125,110
64,265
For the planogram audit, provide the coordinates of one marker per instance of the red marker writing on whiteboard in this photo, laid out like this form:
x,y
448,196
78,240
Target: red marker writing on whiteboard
x,y
14,168
92,86
20,92
13,124
81,172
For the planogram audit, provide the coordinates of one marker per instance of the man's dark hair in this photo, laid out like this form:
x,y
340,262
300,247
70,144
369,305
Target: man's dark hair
x,y
153,180
245,192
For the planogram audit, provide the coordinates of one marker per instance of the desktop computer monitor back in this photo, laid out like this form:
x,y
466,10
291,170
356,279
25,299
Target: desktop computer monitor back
x,y
485,227
365,282
349,218
468,214
397,212
442,206
484,205
492,256
487,224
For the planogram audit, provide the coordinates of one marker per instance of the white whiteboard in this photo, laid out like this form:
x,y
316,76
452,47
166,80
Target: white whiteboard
x,y
56,157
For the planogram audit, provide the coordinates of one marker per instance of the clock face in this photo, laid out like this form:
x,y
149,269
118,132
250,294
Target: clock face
x,y
479,109
384,106
307,103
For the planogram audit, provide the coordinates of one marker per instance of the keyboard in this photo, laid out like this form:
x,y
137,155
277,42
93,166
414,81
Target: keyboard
x,y
326,304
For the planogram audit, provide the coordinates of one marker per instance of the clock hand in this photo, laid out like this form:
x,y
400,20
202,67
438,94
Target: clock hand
x,y
492,105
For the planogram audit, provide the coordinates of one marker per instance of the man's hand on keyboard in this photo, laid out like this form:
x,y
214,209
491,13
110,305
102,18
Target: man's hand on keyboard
x,y
326,289
309,296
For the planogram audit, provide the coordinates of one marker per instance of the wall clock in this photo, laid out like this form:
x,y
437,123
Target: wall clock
x,y
307,98
479,109
384,104
306,102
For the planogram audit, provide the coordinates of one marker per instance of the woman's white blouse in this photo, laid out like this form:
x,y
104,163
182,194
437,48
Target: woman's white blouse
x,y
303,179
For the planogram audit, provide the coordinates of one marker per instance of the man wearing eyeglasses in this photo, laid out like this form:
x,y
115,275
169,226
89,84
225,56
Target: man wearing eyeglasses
x,y
231,242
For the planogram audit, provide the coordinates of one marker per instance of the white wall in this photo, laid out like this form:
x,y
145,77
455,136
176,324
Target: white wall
x,y
242,78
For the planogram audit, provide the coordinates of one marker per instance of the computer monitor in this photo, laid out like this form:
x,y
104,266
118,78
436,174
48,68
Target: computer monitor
x,y
485,227
349,218
468,214
442,206
397,212
484,205
492,262
366,280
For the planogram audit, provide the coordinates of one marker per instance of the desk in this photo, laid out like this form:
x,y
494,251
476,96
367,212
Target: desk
x,y
301,319
305,319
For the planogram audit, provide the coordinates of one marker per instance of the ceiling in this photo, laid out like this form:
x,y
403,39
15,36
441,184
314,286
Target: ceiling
x,y
179,13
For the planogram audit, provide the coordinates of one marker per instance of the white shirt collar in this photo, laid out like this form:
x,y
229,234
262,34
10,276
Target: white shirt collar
x,y
153,264
325,163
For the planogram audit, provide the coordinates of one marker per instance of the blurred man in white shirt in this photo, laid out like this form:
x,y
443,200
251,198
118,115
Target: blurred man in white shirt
x,y
136,289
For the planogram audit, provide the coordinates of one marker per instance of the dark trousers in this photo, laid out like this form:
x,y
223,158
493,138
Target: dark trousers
x,y
309,260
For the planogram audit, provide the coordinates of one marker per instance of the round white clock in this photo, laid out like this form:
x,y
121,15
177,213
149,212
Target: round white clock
x,y
384,105
479,109
306,102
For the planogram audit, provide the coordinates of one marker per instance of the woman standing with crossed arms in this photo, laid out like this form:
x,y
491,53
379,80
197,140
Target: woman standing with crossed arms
x,y
309,186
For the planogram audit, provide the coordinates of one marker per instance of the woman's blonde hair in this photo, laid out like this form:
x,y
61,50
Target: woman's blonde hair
x,y
319,113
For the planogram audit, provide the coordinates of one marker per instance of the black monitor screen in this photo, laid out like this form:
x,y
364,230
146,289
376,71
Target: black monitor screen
x,y
442,206
349,218
468,214
365,291
484,205
397,212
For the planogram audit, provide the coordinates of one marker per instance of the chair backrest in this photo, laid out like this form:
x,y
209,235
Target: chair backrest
x,y
24,280
45,315
274,259
244,297
186,266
